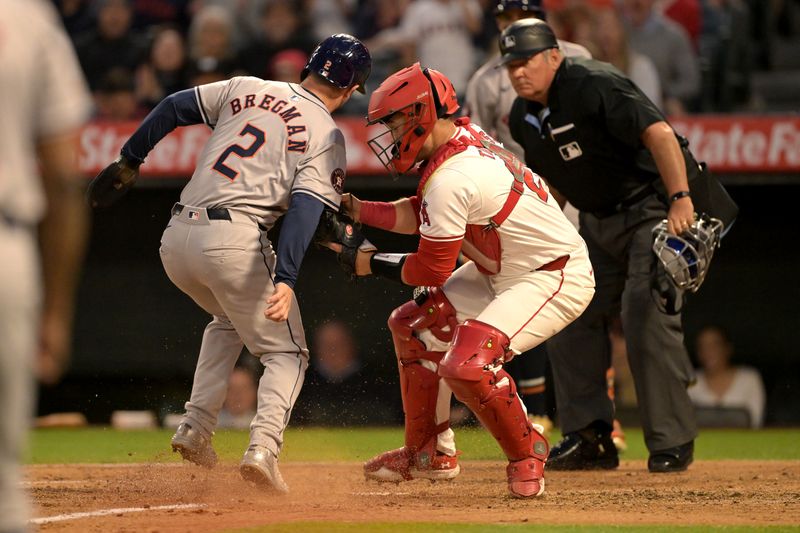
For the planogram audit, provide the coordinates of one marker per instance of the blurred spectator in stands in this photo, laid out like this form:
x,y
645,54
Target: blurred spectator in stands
x,y
208,70
330,16
574,22
375,16
720,384
611,45
241,399
166,69
339,390
147,13
440,34
115,97
287,65
668,47
110,44
726,55
688,14
282,27
211,38
76,16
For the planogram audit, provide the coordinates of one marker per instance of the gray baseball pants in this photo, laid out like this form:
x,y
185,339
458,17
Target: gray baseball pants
x,y
227,268
620,252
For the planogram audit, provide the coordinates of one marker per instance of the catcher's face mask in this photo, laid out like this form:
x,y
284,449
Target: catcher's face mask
x,y
397,147
683,260
408,103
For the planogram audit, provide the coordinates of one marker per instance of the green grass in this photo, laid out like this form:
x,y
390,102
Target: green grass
x,y
416,527
105,445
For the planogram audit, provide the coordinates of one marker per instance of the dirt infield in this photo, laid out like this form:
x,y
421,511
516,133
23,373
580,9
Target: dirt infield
x,y
710,493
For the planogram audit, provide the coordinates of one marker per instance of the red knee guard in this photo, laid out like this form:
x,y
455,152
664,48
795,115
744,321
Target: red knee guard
x,y
419,382
473,369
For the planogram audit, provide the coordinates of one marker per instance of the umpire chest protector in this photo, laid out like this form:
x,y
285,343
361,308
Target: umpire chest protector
x,y
587,141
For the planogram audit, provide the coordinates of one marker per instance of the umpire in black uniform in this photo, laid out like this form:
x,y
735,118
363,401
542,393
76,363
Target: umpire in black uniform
x,y
604,147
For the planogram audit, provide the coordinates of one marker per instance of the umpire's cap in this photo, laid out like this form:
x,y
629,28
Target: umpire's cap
x,y
341,59
526,38
533,6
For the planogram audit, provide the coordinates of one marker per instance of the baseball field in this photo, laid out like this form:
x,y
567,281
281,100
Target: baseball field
x,y
99,479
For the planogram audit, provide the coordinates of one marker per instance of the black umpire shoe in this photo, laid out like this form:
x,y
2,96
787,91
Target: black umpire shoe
x,y
676,459
587,449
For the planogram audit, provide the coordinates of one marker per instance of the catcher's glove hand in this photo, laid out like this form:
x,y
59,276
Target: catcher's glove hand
x,y
340,229
112,183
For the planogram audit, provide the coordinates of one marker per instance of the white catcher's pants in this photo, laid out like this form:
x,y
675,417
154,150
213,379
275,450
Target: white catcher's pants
x,y
529,308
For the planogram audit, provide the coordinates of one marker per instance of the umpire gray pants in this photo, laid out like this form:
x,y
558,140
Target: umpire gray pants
x,y
620,251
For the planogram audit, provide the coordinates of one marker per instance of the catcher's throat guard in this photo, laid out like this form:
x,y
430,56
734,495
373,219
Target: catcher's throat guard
x,y
682,261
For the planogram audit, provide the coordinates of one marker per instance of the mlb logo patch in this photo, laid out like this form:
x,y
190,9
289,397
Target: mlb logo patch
x,y
570,151
509,41
194,215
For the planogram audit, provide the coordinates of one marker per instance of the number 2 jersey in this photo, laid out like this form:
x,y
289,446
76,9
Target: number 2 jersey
x,y
271,140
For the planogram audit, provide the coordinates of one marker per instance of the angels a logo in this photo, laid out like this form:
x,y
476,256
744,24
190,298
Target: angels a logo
x,y
337,180
423,213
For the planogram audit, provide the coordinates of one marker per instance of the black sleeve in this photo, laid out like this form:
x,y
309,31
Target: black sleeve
x,y
515,121
179,109
621,105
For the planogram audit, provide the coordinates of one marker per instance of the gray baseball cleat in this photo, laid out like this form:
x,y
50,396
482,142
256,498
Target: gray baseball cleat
x,y
193,446
260,466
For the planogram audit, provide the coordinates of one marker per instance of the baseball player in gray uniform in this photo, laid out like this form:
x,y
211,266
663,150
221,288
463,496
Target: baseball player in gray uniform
x,y
43,101
488,102
275,151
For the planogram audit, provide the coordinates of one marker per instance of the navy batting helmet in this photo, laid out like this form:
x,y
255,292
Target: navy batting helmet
x,y
534,6
341,59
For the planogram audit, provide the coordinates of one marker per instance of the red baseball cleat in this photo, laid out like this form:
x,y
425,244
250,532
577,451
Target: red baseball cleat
x,y
526,478
404,465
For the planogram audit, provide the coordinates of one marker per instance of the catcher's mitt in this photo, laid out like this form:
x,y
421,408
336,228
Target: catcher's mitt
x,y
338,228
112,183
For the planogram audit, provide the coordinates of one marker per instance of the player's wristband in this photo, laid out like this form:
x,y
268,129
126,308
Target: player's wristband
x,y
382,215
389,266
678,195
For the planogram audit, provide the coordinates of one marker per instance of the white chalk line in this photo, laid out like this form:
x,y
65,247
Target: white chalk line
x,y
107,512
49,482
381,493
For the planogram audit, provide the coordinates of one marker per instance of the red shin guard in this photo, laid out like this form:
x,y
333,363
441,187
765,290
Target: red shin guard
x,y
472,367
419,381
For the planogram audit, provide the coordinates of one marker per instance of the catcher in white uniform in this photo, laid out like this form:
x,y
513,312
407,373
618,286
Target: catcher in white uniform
x,y
275,151
529,277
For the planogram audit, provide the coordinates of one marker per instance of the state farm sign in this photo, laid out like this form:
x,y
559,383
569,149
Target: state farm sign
x,y
726,143
744,144
175,155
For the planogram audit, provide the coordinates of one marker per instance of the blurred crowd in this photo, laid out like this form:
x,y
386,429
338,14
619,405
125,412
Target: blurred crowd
x,y
688,55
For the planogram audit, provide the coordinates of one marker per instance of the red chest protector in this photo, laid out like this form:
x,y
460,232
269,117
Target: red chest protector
x,y
481,242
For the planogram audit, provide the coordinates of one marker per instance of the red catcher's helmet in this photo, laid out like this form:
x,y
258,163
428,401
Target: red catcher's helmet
x,y
423,97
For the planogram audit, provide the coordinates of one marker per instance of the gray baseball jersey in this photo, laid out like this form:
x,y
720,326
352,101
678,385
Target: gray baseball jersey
x,y
490,96
271,139
275,149
42,95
